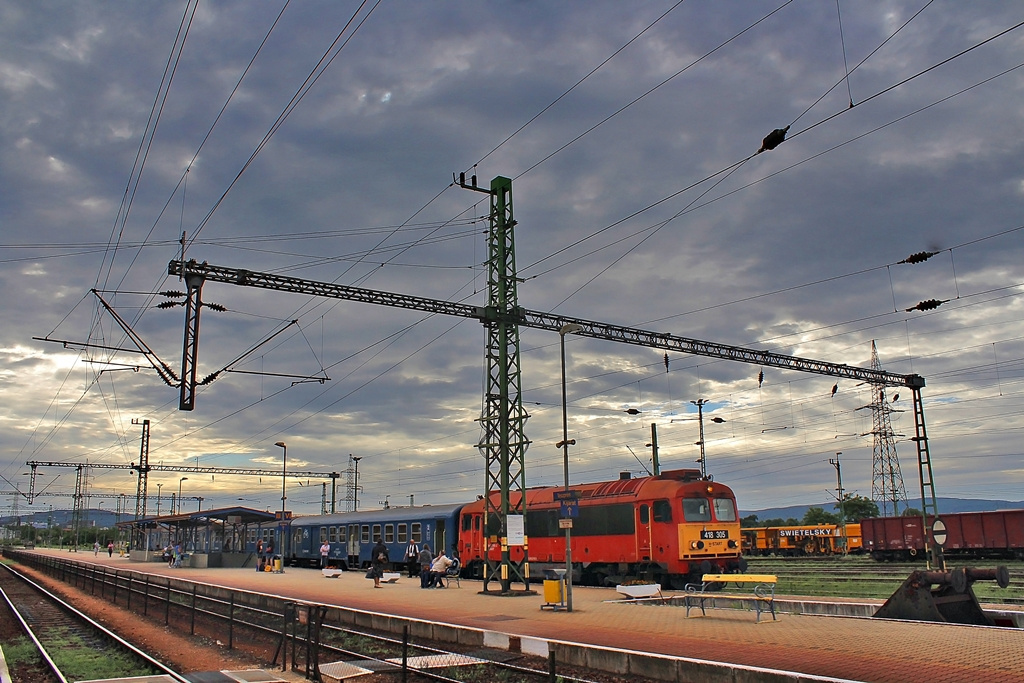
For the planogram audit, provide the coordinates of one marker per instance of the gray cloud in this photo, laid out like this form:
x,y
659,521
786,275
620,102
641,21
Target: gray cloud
x,y
795,250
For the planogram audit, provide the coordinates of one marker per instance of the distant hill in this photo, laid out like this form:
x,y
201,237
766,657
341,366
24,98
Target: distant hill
x,y
93,517
945,505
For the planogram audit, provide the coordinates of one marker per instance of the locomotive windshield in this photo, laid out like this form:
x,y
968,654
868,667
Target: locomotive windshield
x,y
699,509
725,511
696,510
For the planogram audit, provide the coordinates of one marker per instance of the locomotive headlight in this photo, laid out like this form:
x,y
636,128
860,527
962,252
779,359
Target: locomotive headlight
x,y
732,544
700,545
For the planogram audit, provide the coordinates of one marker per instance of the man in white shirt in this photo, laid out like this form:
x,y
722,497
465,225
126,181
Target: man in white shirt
x,y
438,570
325,550
412,559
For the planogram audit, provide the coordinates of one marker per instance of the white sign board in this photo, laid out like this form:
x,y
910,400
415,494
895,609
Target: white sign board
x,y
516,530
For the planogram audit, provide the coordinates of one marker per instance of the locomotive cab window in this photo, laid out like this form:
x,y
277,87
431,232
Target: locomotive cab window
x,y
725,510
696,510
662,511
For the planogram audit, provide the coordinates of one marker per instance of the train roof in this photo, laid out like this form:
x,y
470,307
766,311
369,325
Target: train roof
x,y
394,514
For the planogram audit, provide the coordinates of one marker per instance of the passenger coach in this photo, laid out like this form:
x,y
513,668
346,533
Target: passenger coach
x,y
352,535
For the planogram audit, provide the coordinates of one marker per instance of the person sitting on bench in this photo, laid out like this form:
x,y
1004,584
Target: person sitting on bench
x,y
438,570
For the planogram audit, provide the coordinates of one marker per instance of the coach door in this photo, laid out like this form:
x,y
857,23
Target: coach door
x,y
353,545
643,532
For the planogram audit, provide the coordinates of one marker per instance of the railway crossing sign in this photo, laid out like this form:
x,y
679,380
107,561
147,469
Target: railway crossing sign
x,y
939,532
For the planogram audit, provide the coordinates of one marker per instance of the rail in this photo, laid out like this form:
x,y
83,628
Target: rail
x,y
184,605
50,600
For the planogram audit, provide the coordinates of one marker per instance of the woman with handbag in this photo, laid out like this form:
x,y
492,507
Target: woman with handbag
x,y
379,561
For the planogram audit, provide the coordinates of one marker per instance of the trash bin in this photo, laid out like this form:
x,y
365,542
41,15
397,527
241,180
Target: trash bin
x,y
277,563
554,589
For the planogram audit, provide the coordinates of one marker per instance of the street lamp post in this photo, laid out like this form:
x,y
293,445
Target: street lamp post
x,y
284,497
839,483
179,494
700,403
158,491
355,483
568,328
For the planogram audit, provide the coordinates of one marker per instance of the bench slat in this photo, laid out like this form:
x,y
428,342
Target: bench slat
x,y
741,578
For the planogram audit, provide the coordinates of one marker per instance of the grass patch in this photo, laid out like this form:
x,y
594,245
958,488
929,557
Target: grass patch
x,y
83,661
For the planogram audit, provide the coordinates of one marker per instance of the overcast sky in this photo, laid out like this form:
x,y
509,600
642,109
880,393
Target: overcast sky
x,y
322,146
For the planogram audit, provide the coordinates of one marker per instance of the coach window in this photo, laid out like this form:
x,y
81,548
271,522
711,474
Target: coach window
x,y
323,533
725,510
364,534
333,534
342,535
696,510
376,532
416,532
403,533
662,511
389,533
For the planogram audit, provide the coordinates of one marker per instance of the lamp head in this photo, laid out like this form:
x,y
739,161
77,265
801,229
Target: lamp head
x,y
281,444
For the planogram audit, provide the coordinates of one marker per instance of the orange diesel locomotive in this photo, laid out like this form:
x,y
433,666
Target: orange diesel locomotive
x,y
670,529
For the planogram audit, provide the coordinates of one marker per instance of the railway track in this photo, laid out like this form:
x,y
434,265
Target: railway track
x,y
288,640
59,643
865,578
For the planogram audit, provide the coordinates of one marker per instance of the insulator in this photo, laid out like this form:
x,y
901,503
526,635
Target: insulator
x,y
926,305
172,294
919,257
168,304
216,307
773,139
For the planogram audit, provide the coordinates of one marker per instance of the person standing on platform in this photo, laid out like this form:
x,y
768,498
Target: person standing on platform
x,y
96,547
412,558
259,555
379,561
110,549
425,559
325,550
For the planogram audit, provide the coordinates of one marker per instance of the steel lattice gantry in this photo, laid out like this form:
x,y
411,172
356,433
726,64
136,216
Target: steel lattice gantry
x,y
504,441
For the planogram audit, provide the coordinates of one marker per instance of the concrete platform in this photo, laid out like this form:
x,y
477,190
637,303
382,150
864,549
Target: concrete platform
x,y
604,628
